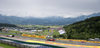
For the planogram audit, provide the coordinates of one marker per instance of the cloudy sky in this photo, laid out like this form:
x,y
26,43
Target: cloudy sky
x,y
46,8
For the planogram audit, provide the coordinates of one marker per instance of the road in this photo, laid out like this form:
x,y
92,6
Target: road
x,y
66,44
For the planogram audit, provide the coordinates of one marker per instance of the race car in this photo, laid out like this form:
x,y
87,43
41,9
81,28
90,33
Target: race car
x,y
51,39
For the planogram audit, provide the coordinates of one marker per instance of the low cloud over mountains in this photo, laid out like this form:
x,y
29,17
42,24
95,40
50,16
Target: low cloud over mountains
x,y
43,21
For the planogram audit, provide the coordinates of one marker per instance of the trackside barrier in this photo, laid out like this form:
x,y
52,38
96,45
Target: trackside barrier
x,y
16,44
36,36
79,40
22,44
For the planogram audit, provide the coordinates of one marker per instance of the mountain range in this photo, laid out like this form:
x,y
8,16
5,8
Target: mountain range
x,y
44,21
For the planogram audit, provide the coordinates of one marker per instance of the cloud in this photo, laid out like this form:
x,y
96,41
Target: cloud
x,y
45,8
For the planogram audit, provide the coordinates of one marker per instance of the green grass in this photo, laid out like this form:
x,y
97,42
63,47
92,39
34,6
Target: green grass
x,y
56,32
11,32
6,46
47,33
56,26
6,33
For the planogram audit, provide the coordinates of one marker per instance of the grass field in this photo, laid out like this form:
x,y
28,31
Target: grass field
x,y
56,26
6,46
10,33
47,33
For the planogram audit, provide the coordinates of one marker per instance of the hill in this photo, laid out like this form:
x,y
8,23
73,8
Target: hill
x,y
10,19
7,25
89,28
43,21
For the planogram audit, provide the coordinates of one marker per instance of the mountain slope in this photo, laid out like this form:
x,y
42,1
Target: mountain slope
x,y
89,28
43,21
7,25
10,19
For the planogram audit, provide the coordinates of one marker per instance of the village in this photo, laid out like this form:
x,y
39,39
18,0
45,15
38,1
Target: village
x,y
41,31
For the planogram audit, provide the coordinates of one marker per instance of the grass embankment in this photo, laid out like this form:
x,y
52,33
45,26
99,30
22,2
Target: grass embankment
x,y
6,46
11,32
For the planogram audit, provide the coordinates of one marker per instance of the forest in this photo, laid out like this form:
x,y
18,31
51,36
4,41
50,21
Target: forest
x,y
7,25
89,28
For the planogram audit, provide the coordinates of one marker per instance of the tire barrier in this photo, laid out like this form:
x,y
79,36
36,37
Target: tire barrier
x,y
35,36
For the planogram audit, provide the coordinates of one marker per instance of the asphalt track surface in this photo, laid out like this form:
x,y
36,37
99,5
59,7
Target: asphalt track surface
x,y
66,44
60,41
36,45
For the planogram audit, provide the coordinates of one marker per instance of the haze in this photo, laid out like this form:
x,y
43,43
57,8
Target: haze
x,y
47,8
